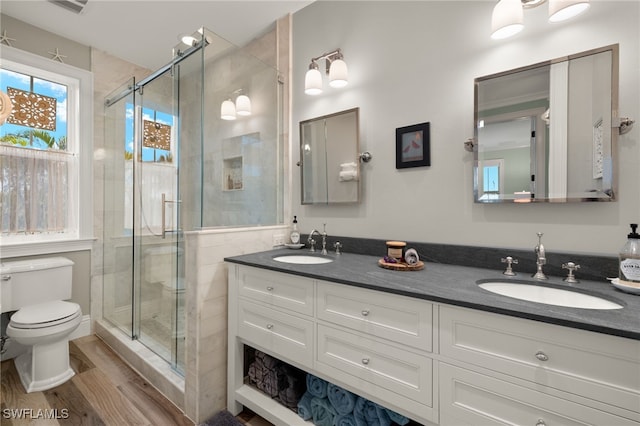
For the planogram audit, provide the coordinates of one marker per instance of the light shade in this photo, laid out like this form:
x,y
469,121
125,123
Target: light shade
x,y
243,105
338,73
313,82
228,110
187,39
561,10
507,19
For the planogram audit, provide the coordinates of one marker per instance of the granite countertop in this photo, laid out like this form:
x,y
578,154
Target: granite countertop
x,y
457,285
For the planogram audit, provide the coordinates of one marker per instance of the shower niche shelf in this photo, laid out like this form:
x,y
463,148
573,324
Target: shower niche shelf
x,y
232,179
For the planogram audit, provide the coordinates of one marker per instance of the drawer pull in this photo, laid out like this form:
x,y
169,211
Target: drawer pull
x,y
365,312
365,361
541,423
269,288
542,357
269,326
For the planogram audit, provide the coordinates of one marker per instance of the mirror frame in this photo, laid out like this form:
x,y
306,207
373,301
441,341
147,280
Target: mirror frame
x,y
614,49
356,158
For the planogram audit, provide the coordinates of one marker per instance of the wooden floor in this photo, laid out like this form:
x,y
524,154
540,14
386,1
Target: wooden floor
x,y
104,391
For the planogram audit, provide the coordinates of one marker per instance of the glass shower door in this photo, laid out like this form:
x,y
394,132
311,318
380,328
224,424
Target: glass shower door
x,y
158,239
117,294
143,287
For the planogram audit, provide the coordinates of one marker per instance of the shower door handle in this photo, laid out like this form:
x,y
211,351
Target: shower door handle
x,y
164,215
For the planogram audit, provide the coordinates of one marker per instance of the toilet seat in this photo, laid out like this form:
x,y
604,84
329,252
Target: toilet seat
x,y
43,315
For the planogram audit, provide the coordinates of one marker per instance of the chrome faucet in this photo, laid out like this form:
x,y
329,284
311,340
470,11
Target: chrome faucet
x,y
541,258
312,242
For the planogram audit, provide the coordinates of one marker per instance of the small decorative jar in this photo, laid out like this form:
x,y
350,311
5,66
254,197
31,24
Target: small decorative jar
x,y
395,249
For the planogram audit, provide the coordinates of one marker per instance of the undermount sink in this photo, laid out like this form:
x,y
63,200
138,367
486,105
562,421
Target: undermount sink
x,y
548,295
302,259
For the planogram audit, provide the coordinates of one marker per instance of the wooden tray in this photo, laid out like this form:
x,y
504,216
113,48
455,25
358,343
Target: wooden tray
x,y
401,266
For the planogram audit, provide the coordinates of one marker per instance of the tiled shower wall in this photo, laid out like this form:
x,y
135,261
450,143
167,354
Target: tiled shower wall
x,y
206,307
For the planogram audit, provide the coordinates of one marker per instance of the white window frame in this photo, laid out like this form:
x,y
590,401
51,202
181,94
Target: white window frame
x,y
80,137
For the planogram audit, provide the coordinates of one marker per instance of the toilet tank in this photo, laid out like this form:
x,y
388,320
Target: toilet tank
x,y
27,282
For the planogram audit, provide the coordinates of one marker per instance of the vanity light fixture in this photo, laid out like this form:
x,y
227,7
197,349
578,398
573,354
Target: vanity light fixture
x,y
336,68
507,18
561,10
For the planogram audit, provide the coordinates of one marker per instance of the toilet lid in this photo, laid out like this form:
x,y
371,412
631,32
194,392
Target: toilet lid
x,y
45,314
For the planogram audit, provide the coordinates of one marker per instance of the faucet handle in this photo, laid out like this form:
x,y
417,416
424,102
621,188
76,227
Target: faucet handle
x,y
337,245
509,261
312,244
571,267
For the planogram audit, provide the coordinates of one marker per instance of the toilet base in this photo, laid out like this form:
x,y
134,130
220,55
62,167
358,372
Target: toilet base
x,y
45,366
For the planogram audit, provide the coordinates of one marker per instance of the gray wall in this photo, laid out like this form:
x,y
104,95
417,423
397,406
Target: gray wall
x,y
411,62
40,42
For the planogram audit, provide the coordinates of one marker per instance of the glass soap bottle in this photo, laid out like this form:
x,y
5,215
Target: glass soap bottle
x,y
295,234
630,257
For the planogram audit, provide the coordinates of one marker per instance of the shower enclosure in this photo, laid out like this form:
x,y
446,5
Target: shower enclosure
x,y
172,165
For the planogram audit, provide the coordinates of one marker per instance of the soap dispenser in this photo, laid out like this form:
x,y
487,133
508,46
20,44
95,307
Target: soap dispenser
x,y
295,234
630,257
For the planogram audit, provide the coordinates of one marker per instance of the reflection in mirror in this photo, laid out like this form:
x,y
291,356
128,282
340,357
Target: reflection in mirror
x,y
544,132
329,164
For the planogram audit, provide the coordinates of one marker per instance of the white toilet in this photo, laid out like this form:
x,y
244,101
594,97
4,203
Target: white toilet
x,y
43,321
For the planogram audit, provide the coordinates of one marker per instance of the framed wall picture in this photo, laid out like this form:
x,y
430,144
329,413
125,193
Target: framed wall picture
x,y
413,146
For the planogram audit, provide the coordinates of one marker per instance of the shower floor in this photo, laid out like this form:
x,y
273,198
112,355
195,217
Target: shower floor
x,y
159,311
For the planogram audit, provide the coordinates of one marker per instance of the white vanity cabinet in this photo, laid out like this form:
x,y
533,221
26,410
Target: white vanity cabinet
x,y
528,372
380,343
435,363
377,345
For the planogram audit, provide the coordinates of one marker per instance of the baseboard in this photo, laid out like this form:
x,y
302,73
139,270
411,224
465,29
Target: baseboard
x,y
84,329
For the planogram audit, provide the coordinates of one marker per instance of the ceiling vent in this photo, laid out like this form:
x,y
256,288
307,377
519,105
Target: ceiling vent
x,y
74,6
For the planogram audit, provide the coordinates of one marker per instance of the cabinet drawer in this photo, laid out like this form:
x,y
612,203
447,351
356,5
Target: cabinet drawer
x,y
394,375
594,365
469,398
402,319
290,292
285,336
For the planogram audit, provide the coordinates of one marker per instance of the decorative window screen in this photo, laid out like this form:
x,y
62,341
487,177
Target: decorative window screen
x,y
32,109
37,166
156,135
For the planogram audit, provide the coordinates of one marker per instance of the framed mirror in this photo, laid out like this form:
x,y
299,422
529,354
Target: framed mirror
x,y
547,132
329,158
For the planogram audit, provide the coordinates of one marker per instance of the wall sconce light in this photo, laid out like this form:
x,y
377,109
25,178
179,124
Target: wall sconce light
x,y
230,110
243,105
508,15
336,68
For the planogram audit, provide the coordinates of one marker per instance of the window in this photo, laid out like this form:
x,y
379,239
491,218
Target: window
x,y
490,179
45,151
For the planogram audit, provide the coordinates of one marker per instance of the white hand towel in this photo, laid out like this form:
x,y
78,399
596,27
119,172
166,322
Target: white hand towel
x,y
411,256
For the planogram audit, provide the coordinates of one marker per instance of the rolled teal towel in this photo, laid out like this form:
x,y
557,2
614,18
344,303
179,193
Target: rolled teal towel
x,y
341,399
304,406
345,420
322,411
365,413
383,416
316,386
398,418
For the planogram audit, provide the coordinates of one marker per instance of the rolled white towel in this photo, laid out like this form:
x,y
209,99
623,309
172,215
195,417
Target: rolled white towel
x,y
346,176
346,167
411,256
